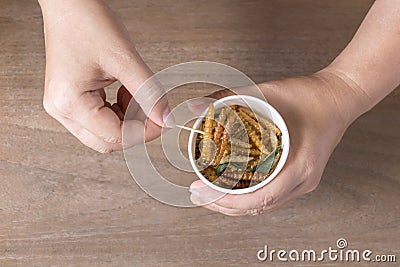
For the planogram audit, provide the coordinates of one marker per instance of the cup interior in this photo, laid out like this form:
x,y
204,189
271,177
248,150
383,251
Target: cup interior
x,y
263,109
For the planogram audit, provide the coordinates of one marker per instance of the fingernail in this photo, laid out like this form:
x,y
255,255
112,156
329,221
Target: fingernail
x,y
168,118
194,192
195,201
201,199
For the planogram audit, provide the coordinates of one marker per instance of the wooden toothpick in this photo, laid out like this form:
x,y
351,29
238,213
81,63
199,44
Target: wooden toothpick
x,y
189,129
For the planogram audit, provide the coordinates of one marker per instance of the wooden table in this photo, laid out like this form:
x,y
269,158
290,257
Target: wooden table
x,y
63,204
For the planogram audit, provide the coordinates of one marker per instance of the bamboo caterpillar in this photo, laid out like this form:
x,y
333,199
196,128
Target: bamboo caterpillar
x,y
219,129
239,143
266,124
238,159
225,137
207,147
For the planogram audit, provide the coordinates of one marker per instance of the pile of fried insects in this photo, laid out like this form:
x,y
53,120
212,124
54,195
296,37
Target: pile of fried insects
x,y
239,148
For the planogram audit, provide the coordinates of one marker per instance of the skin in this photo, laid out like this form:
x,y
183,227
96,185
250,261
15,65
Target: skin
x,y
87,49
321,107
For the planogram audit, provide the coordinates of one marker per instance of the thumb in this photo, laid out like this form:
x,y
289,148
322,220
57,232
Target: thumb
x,y
136,76
197,106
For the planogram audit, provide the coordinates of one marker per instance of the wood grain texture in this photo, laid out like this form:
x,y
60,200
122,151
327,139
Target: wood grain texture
x,y
62,204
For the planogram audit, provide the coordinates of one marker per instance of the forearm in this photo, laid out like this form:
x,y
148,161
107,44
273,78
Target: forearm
x,y
370,64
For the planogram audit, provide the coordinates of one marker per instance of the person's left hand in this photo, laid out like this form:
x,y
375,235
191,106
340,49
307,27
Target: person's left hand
x,y
317,110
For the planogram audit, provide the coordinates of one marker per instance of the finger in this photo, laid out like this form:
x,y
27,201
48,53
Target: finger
x,y
125,102
221,94
223,210
212,206
137,132
266,196
89,139
148,92
275,205
227,211
116,108
244,202
133,133
198,105
64,116
129,106
204,194
102,93
124,98
92,114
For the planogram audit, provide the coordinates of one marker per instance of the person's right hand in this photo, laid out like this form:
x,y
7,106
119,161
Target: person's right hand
x,y
87,49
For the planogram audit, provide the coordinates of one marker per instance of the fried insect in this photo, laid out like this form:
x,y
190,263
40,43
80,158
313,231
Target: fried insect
x,y
245,151
220,128
210,174
268,131
271,138
239,132
254,130
225,137
252,122
207,145
236,181
253,163
239,143
255,138
238,175
236,159
266,124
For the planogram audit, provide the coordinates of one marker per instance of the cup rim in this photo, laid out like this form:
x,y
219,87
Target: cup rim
x,y
285,145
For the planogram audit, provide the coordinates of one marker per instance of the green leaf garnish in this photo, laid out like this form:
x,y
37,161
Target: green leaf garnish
x,y
265,165
221,168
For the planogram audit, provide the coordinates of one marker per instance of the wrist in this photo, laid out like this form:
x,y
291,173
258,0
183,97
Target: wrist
x,y
350,99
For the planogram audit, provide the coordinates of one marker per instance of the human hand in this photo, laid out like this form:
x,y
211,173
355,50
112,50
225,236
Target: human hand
x,y
317,110
87,49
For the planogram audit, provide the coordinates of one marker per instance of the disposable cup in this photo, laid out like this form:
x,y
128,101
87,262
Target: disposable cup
x,y
263,109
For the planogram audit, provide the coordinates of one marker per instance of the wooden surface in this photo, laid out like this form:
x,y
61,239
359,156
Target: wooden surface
x,y
62,204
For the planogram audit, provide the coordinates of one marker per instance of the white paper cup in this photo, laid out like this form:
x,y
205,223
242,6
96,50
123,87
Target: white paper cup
x,y
263,109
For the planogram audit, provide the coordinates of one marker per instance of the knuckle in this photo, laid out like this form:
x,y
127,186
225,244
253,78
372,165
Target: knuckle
x,y
265,202
113,139
58,98
104,150
62,104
